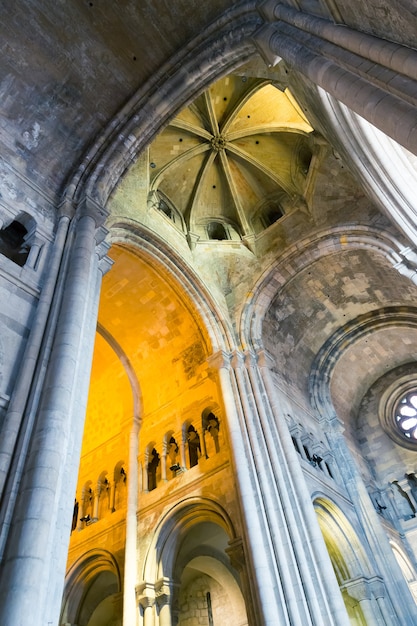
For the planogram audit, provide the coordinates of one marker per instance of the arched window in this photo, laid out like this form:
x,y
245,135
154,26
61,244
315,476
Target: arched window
x,y
216,230
13,243
272,214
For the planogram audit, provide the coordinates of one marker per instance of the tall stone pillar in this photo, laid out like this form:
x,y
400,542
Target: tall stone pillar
x,y
394,597
334,57
359,589
18,423
33,568
146,599
163,590
285,574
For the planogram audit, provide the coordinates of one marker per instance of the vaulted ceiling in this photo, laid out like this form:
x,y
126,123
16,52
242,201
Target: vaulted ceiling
x,y
68,68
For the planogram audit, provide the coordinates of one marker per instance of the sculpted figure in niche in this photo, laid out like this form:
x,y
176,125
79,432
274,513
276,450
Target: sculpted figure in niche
x,y
412,481
75,515
194,448
402,503
172,455
213,427
152,467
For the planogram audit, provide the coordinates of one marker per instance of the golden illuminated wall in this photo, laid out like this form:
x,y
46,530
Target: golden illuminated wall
x,y
156,341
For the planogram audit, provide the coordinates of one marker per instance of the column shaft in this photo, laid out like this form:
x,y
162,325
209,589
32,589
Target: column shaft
x,y
310,46
31,546
319,559
129,583
281,548
401,607
16,432
267,605
165,615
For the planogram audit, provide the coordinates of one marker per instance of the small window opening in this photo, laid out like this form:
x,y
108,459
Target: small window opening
x,y
272,215
305,157
328,469
216,230
166,210
307,453
295,443
209,609
13,244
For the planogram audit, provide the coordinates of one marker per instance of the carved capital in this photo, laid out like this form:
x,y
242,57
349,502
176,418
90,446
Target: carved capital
x,y
145,595
237,360
358,589
219,360
236,554
265,359
164,591
91,208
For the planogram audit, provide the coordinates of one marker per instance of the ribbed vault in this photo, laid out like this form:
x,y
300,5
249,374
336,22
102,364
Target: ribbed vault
x,y
240,148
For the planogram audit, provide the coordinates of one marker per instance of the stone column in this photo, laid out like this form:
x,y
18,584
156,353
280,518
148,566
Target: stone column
x,y
333,57
163,601
19,420
96,501
146,599
289,587
398,600
164,462
145,479
379,592
316,577
266,598
112,495
359,590
130,573
38,540
182,452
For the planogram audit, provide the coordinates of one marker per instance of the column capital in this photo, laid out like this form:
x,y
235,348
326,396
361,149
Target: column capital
x,y
236,553
267,10
377,586
250,358
265,359
219,360
66,208
358,589
145,595
163,591
91,208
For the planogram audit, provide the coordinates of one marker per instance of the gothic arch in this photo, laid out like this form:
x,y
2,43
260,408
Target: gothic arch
x,y
172,528
175,270
301,255
92,579
345,550
406,567
347,557
328,355
212,54
194,545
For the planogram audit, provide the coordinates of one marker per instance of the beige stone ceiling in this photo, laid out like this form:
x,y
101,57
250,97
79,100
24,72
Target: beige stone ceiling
x,y
241,142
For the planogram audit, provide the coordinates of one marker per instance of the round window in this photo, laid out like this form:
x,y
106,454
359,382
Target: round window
x,y
405,415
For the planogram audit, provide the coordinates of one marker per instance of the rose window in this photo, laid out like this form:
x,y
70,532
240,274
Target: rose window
x,y
406,415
